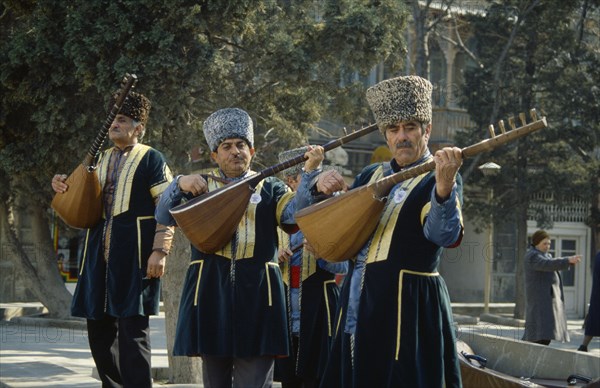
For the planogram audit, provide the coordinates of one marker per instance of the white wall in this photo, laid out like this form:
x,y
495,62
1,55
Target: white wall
x,y
463,267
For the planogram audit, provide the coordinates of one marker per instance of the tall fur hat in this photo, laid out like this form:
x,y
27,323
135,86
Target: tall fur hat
x,y
289,154
400,99
228,123
136,106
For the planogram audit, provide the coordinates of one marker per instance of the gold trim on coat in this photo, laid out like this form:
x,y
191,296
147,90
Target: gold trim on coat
x,y
401,279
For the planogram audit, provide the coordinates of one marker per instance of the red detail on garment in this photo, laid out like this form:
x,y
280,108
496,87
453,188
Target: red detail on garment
x,y
295,272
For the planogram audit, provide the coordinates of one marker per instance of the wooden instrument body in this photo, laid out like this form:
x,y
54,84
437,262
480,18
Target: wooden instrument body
x,y
210,220
355,215
339,227
198,222
81,205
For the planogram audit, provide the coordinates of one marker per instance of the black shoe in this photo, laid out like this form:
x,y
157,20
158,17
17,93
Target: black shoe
x,y
582,348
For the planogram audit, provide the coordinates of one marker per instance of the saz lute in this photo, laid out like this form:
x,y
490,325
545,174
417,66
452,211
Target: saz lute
x,y
81,205
210,220
338,227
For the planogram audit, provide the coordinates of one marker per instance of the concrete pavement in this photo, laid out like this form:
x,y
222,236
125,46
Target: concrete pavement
x,y
38,352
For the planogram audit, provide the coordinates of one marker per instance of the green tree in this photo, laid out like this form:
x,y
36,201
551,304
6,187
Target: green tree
x,y
530,51
281,61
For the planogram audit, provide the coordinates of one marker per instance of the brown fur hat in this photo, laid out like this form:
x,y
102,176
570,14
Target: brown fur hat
x,y
136,106
400,99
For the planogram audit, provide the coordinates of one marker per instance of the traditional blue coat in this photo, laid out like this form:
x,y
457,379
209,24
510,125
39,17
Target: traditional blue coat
x,y
233,302
116,284
403,333
592,321
318,296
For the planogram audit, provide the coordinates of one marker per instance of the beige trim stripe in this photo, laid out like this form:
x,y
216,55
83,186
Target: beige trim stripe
x,y
382,239
87,237
402,272
123,188
267,264
339,321
325,283
246,229
139,237
201,262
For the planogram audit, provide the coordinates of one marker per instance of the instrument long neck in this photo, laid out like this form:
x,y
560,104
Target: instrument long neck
x,y
92,155
327,147
383,186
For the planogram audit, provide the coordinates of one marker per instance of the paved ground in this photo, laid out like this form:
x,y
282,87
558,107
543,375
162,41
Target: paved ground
x,y
37,352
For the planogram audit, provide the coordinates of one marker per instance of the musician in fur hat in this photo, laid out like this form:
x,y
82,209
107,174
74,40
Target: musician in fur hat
x,y
232,311
312,297
124,256
395,327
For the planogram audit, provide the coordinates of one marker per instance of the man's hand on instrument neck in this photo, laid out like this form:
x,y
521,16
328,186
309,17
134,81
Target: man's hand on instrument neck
x,y
315,155
328,182
194,184
447,163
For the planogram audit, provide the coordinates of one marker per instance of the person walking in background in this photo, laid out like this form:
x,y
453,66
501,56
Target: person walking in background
x,y
592,321
124,256
545,318
312,297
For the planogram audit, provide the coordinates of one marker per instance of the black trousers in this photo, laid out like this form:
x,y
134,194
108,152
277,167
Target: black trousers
x,y
121,350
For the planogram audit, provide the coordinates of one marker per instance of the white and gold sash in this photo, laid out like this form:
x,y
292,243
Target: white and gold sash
x,y
380,243
244,236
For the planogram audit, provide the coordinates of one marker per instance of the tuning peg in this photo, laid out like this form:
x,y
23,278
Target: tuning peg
x,y
491,130
533,114
511,122
523,119
501,125
345,131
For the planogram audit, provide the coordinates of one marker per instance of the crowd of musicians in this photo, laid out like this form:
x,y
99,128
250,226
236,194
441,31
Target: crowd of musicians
x,y
265,307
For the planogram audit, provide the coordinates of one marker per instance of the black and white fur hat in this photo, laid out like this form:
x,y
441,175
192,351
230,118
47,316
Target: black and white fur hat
x,y
228,123
290,154
400,99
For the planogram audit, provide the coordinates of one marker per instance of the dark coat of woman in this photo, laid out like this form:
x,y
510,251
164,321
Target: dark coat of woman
x,y
592,322
545,313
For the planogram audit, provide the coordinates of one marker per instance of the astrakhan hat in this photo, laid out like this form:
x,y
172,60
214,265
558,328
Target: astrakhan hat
x,y
400,99
228,123
136,106
290,154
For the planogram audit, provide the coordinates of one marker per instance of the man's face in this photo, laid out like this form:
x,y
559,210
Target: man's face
x,y
122,132
293,181
407,140
233,157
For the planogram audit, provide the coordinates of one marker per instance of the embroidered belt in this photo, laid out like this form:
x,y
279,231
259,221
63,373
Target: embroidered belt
x,y
295,273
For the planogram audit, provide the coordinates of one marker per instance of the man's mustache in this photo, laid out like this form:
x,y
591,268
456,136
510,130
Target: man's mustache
x,y
404,144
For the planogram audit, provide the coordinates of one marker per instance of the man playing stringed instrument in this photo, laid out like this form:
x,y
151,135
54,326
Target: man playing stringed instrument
x,y
312,297
232,311
396,323
119,280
